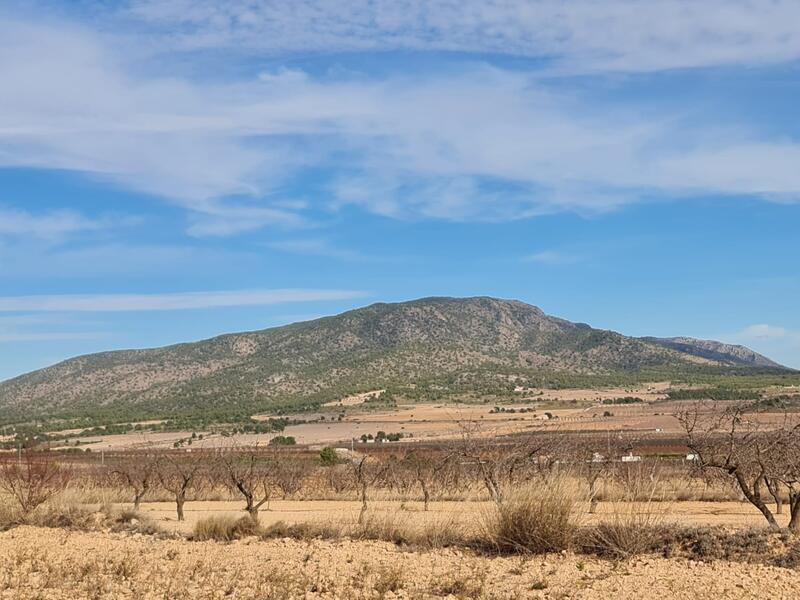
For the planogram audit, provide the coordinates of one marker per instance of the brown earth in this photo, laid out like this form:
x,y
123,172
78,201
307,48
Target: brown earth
x,y
468,514
59,565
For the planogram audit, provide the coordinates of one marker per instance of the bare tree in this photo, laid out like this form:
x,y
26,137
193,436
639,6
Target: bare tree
x,y
756,453
426,468
33,480
501,463
180,472
339,478
289,474
250,473
366,471
138,471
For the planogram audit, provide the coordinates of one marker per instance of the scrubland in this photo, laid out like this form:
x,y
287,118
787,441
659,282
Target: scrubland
x,y
538,517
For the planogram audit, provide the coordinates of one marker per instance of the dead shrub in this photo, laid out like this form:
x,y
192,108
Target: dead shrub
x,y
224,528
627,532
302,531
389,527
441,533
64,515
534,520
716,543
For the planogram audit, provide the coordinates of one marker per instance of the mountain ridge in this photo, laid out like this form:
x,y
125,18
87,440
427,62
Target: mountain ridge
x,y
469,343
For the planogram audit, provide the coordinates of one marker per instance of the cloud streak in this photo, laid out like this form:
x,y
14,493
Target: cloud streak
x,y
397,145
48,225
168,302
585,35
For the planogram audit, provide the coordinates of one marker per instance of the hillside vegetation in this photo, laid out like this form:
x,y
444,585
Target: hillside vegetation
x,y
425,349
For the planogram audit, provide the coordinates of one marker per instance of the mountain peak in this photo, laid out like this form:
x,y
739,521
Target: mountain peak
x,y
457,345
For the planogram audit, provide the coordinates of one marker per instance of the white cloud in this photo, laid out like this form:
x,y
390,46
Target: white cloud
x,y
177,301
781,344
477,143
626,35
764,332
47,225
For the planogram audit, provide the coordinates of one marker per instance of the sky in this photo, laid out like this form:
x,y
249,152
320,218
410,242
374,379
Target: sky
x,y
172,170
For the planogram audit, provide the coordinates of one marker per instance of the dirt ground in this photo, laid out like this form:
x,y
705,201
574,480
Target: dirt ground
x,y
548,410
60,565
469,514
422,422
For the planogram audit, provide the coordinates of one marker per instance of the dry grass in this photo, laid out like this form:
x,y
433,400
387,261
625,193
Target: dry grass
x,y
626,532
225,528
324,530
62,512
535,520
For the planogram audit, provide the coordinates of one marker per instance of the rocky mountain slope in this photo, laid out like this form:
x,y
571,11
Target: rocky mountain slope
x,y
716,351
446,344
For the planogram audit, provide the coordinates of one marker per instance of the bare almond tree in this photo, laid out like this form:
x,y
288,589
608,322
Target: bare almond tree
x,y
250,473
180,472
139,472
501,463
756,452
289,474
33,479
366,471
426,467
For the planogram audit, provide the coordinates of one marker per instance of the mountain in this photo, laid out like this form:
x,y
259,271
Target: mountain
x,y
426,348
716,351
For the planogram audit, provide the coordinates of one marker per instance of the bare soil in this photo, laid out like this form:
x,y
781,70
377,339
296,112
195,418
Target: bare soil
x,y
738,515
59,565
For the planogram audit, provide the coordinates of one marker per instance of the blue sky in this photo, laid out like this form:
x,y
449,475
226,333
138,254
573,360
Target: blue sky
x,y
171,170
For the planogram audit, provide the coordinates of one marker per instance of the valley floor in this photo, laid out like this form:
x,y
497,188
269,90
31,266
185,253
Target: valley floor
x,y
56,564
465,514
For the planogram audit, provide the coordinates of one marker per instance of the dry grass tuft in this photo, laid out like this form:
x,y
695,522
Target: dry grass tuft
x,y
626,532
534,520
303,531
224,528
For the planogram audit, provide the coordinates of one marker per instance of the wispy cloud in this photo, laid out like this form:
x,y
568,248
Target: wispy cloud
x,y
164,302
776,342
46,225
624,35
767,332
319,247
397,144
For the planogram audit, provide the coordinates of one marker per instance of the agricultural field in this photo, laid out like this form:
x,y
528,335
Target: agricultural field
x,y
553,512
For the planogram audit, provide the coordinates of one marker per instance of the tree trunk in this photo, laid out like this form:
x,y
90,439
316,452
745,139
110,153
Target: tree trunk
x,y
794,509
253,512
363,503
774,490
754,497
593,496
426,495
137,500
179,502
